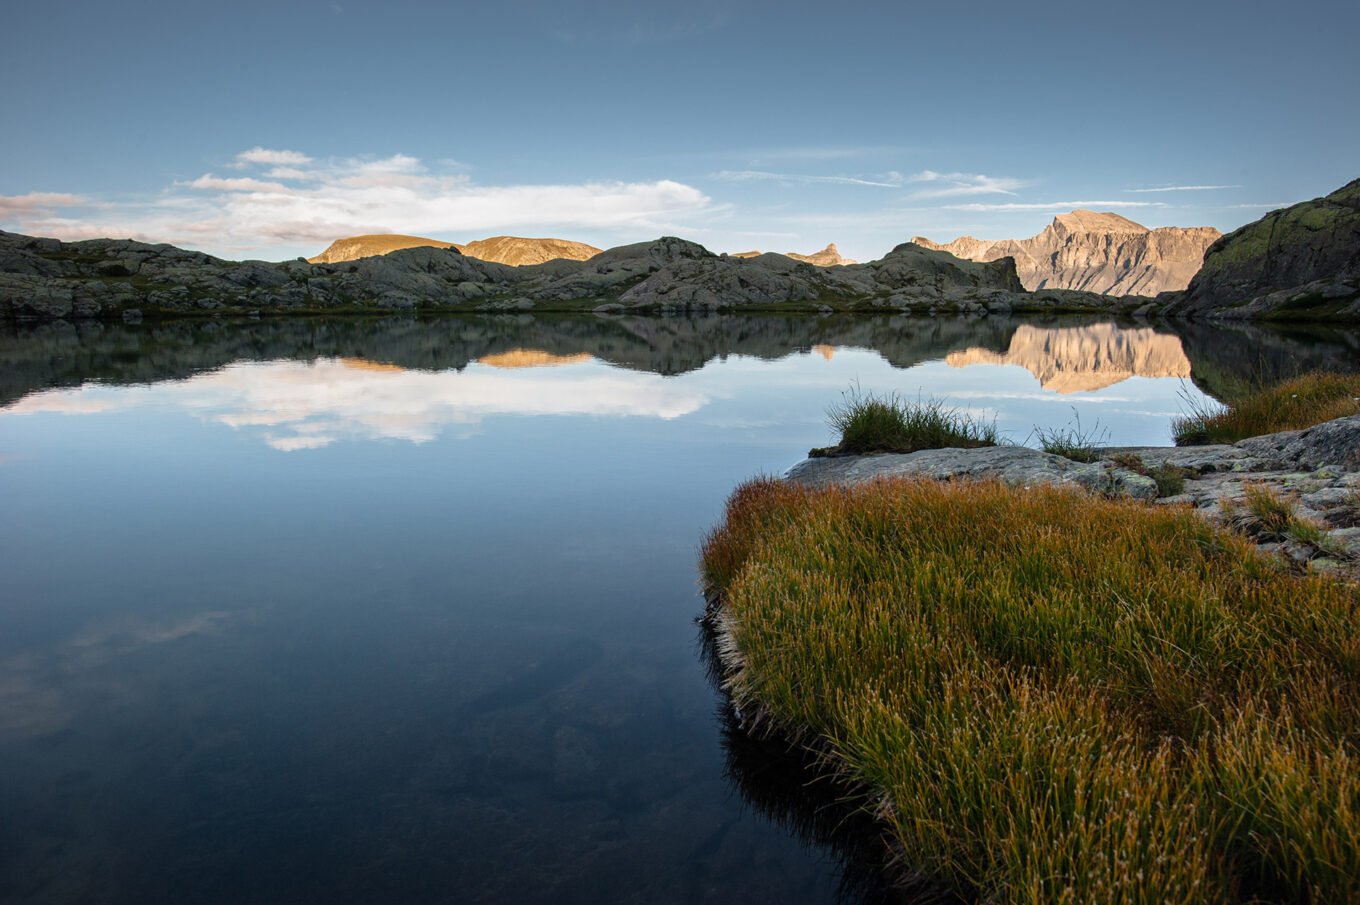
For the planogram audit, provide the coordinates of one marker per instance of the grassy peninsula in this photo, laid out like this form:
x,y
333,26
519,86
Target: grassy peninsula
x,y
1048,696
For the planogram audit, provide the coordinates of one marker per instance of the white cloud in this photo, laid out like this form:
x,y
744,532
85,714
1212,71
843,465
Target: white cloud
x,y
37,201
951,185
271,157
304,201
241,184
888,180
1185,188
288,173
1049,205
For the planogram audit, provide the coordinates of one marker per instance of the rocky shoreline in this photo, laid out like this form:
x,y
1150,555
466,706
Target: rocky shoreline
x,y
1316,471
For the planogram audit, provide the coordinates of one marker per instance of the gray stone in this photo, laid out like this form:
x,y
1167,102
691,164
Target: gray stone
x,y
1332,443
1017,465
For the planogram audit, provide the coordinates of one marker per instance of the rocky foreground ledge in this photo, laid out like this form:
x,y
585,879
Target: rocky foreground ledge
x,y
1315,471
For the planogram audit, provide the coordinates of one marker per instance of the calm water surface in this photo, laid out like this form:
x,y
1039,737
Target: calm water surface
x,y
359,610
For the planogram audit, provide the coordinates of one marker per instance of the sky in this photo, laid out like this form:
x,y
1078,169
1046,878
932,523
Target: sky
x,y
266,130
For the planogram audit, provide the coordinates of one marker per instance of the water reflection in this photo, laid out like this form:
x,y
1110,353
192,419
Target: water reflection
x,y
1086,358
785,782
297,405
1067,355
457,664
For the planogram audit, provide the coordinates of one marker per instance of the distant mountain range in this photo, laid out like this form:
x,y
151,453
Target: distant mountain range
x,y
1096,252
1298,263
516,251
513,250
827,257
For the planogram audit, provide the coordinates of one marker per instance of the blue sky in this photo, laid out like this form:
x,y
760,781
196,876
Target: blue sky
x,y
268,129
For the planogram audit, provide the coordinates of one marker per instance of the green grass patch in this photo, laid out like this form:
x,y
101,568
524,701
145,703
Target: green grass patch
x,y
1170,478
1049,696
1073,441
870,423
1295,404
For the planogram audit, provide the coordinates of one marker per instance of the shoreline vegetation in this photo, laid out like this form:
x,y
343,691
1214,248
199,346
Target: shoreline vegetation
x,y
1046,694
869,423
1295,404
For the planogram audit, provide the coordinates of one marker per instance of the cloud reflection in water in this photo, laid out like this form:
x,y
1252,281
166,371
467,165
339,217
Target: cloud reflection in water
x,y
309,405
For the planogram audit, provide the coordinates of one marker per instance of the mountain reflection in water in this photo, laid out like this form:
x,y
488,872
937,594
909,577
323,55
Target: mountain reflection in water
x,y
1082,359
1066,355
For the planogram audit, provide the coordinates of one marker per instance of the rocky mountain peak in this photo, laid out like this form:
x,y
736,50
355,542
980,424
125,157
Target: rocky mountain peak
x,y
1095,251
1105,222
516,251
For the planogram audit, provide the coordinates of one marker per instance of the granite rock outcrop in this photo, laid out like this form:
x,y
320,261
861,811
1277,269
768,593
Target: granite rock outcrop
x,y
1096,252
1300,261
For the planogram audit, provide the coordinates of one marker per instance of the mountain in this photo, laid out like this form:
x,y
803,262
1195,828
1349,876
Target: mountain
x,y
827,257
1086,358
512,250
356,247
1096,252
1301,261
518,252
44,278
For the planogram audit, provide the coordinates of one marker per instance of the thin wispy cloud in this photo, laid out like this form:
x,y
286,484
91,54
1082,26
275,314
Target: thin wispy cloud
x,y
758,157
289,197
981,207
1184,188
953,185
888,180
37,202
1266,205
271,156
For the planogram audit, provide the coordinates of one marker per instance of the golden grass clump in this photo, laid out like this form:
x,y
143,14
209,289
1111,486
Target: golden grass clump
x,y
1054,697
1292,405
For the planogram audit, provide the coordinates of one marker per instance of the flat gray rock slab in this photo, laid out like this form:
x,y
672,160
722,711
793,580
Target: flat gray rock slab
x,y
1017,465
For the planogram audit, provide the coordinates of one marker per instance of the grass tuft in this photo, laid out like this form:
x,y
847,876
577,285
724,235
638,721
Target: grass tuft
x,y
1054,697
1170,478
869,423
1073,442
1295,404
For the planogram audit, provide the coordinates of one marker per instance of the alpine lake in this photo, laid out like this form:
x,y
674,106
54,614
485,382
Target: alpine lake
x,y
403,610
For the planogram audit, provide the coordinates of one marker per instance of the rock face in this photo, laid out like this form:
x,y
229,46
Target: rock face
x,y
827,257
1087,358
518,252
1302,260
355,247
1096,252
107,278
512,250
